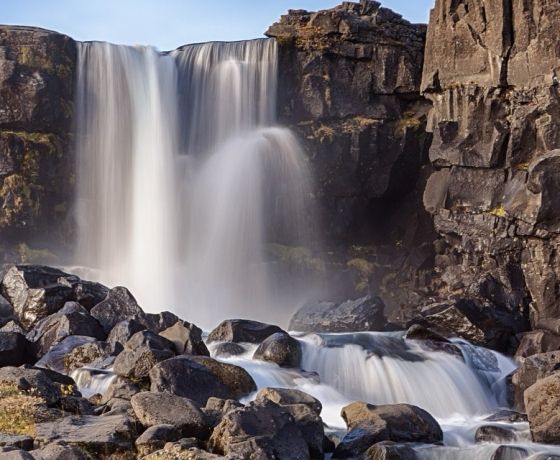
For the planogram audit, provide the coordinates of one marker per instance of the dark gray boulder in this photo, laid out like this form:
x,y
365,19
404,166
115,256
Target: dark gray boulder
x,y
15,350
164,408
16,441
288,397
187,338
494,434
510,453
55,358
260,430
122,332
71,320
119,305
242,330
58,452
226,349
106,437
157,322
432,340
365,314
200,380
281,349
141,353
369,424
388,450
36,292
155,438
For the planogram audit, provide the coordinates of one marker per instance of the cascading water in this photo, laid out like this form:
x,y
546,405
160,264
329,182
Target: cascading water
x,y
183,178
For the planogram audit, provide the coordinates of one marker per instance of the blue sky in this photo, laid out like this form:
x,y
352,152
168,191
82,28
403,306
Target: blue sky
x,y
168,24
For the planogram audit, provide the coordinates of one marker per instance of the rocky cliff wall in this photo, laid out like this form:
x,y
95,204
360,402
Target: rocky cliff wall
x,y
350,88
490,70
36,165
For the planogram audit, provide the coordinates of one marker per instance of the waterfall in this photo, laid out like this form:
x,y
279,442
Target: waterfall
x,y
183,178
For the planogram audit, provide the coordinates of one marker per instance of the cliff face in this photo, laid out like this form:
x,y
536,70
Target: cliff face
x,y
36,99
490,70
350,88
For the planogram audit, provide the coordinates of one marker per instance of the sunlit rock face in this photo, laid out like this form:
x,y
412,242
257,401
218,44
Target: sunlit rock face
x,y
490,70
36,96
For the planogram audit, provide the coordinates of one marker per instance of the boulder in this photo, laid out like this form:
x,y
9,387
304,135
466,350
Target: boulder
x,y
260,430
15,454
288,397
365,314
227,349
122,332
510,453
12,326
542,401
7,312
92,354
55,358
72,319
141,353
489,326
369,424
36,292
537,342
58,452
158,322
50,386
235,378
280,348
389,451
119,305
187,338
120,388
167,409
155,438
16,441
216,408
310,426
103,437
182,376
242,330
531,370
432,340
508,416
494,434
15,350
184,449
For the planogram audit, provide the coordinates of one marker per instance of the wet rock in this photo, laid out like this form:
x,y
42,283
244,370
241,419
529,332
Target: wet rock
x,y
287,397
164,408
187,338
15,350
432,340
235,378
155,438
242,330
122,332
494,434
72,319
17,441
509,453
533,369
93,354
389,451
281,349
227,349
55,358
365,314
369,424
58,452
182,376
158,322
542,401
119,305
141,353
480,324
36,292
12,326
537,342
104,437
507,416
261,429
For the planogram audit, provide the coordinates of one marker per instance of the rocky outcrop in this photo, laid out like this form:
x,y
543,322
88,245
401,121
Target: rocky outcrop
x,y
490,72
350,88
37,69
